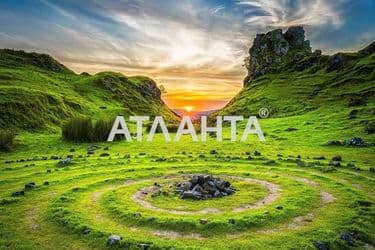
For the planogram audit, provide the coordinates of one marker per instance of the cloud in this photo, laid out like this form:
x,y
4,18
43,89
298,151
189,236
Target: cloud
x,y
217,9
195,48
282,13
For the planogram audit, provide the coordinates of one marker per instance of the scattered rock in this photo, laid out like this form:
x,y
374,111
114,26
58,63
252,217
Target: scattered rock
x,y
203,187
300,163
203,221
231,221
66,161
350,165
113,240
319,158
18,193
90,151
270,162
337,158
348,238
213,152
372,169
334,163
144,246
257,153
30,185
86,231
355,141
334,143
321,245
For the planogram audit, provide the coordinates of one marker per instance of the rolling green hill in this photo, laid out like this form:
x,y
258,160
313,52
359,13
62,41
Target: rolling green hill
x,y
36,92
289,79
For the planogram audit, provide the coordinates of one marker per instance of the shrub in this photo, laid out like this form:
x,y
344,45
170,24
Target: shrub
x,y
78,130
84,130
101,130
6,140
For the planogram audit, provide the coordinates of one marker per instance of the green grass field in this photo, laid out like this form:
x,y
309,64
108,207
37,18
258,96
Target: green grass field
x,y
289,192
300,204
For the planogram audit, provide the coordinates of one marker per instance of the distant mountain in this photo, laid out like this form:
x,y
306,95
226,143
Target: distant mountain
x,y
286,77
36,91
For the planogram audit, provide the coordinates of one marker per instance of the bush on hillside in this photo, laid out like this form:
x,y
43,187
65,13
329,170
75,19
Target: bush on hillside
x,y
84,130
6,140
78,130
101,130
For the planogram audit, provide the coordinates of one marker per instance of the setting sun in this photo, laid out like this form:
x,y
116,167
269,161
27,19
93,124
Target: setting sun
x,y
189,108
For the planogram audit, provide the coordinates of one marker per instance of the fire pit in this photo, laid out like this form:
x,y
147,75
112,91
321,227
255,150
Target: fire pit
x,y
203,187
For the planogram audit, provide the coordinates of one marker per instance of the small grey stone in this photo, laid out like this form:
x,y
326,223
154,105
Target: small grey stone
x,y
113,240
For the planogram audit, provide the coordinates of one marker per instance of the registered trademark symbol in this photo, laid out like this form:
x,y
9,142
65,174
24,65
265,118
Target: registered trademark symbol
x,y
264,113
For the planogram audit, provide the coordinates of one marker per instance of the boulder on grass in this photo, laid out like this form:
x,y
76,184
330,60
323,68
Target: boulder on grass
x,y
113,240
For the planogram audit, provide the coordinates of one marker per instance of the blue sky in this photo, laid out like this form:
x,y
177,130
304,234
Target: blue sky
x,y
195,48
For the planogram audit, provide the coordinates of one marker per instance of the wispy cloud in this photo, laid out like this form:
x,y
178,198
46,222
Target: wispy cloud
x,y
283,13
195,48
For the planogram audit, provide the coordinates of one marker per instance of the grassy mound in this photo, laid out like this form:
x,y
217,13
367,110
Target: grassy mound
x,y
38,92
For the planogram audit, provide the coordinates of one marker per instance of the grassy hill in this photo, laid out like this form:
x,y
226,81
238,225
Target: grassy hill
x,y
292,192
338,88
36,92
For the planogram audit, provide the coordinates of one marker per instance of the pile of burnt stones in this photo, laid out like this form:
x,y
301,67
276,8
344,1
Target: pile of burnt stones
x,y
203,187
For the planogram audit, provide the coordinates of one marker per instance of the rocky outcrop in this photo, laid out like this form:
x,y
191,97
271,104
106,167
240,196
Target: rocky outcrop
x,y
276,52
368,50
203,187
272,50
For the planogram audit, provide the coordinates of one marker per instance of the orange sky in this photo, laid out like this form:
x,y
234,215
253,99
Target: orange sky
x,y
195,49
201,88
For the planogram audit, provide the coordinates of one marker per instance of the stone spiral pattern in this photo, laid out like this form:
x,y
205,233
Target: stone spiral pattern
x,y
87,202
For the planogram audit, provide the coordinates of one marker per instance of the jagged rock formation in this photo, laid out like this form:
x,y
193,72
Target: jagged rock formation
x,y
285,76
277,52
275,48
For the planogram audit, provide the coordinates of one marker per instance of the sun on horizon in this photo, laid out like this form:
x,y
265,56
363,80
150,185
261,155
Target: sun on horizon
x,y
188,109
